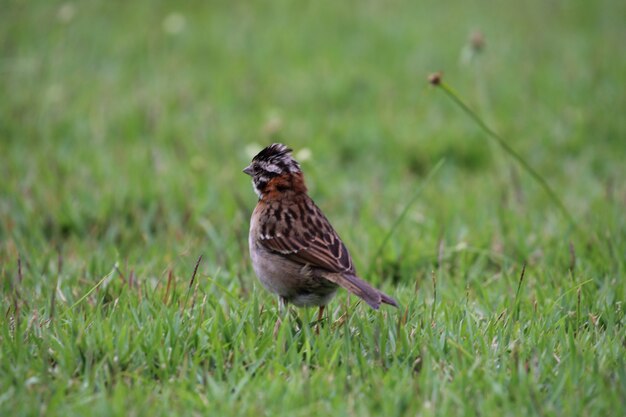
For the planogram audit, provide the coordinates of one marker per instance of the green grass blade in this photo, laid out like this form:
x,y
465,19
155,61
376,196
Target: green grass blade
x,y
401,216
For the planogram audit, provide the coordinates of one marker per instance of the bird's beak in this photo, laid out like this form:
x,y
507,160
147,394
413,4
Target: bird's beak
x,y
248,170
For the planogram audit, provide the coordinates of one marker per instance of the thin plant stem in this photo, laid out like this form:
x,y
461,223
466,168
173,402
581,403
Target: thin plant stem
x,y
504,145
404,212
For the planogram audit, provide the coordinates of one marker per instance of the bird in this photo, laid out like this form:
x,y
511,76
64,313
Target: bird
x,y
295,251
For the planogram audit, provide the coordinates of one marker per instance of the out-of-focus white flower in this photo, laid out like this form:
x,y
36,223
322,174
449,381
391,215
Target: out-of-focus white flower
x,y
303,154
252,149
66,12
174,23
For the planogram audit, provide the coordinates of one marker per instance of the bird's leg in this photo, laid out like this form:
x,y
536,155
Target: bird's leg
x,y
282,309
320,316
282,305
320,313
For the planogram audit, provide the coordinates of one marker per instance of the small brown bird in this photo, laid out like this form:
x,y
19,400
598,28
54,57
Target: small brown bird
x,y
295,251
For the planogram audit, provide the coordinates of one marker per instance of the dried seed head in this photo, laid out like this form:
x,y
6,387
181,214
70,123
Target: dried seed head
x,y
477,41
435,78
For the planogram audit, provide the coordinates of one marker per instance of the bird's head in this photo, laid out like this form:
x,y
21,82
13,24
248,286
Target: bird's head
x,y
273,161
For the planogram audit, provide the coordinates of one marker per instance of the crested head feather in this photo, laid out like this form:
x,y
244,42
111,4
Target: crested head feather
x,y
276,159
271,162
275,150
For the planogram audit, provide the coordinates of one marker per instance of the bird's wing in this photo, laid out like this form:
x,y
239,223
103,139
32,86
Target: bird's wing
x,y
301,232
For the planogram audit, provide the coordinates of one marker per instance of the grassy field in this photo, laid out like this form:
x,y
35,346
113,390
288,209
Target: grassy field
x,y
123,131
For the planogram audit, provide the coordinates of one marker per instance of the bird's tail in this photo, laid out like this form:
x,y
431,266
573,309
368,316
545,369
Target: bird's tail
x,y
362,289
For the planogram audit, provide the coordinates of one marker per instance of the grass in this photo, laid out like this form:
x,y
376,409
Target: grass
x,y
123,132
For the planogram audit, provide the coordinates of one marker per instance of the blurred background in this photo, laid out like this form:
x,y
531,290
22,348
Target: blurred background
x,y
124,127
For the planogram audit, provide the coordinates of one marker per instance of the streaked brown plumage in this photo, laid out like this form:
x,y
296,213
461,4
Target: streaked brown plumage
x,y
295,251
